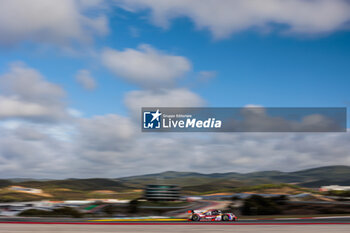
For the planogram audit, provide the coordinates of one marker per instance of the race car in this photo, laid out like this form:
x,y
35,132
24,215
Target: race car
x,y
211,215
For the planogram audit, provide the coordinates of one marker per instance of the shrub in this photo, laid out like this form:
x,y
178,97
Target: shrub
x,y
60,212
258,205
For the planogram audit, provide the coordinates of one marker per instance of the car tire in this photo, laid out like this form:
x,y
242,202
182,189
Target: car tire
x,y
225,217
195,217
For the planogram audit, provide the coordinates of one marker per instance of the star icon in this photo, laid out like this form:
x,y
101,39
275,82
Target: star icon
x,y
156,115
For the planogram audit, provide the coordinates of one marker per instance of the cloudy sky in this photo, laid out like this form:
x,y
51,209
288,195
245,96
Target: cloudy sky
x,y
75,73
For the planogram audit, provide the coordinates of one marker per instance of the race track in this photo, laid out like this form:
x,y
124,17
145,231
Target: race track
x,y
77,228
16,225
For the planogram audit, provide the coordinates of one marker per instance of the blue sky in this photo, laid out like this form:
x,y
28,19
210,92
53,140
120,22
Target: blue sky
x,y
250,67
74,74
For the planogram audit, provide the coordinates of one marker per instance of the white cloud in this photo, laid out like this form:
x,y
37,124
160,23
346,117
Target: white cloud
x,y
26,94
12,107
112,146
29,150
179,97
224,17
30,85
105,133
74,112
58,22
85,79
146,66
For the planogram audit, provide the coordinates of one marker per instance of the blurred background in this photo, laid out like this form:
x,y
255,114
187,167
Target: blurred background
x,y
74,75
171,194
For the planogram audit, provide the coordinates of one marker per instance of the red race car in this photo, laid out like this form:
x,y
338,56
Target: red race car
x,y
211,215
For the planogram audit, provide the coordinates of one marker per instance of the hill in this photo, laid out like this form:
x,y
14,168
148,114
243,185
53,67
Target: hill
x,y
311,178
191,182
324,176
77,184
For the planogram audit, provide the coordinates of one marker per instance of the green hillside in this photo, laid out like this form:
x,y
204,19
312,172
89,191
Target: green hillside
x,y
315,177
191,183
77,184
5,183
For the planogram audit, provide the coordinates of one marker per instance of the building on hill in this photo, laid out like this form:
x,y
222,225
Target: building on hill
x,y
162,192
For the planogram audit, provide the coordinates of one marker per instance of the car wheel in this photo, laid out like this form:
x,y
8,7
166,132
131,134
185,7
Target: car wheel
x,y
195,217
225,217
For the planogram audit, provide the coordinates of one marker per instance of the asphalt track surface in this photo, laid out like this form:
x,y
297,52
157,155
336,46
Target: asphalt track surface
x,y
36,220
196,228
55,225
